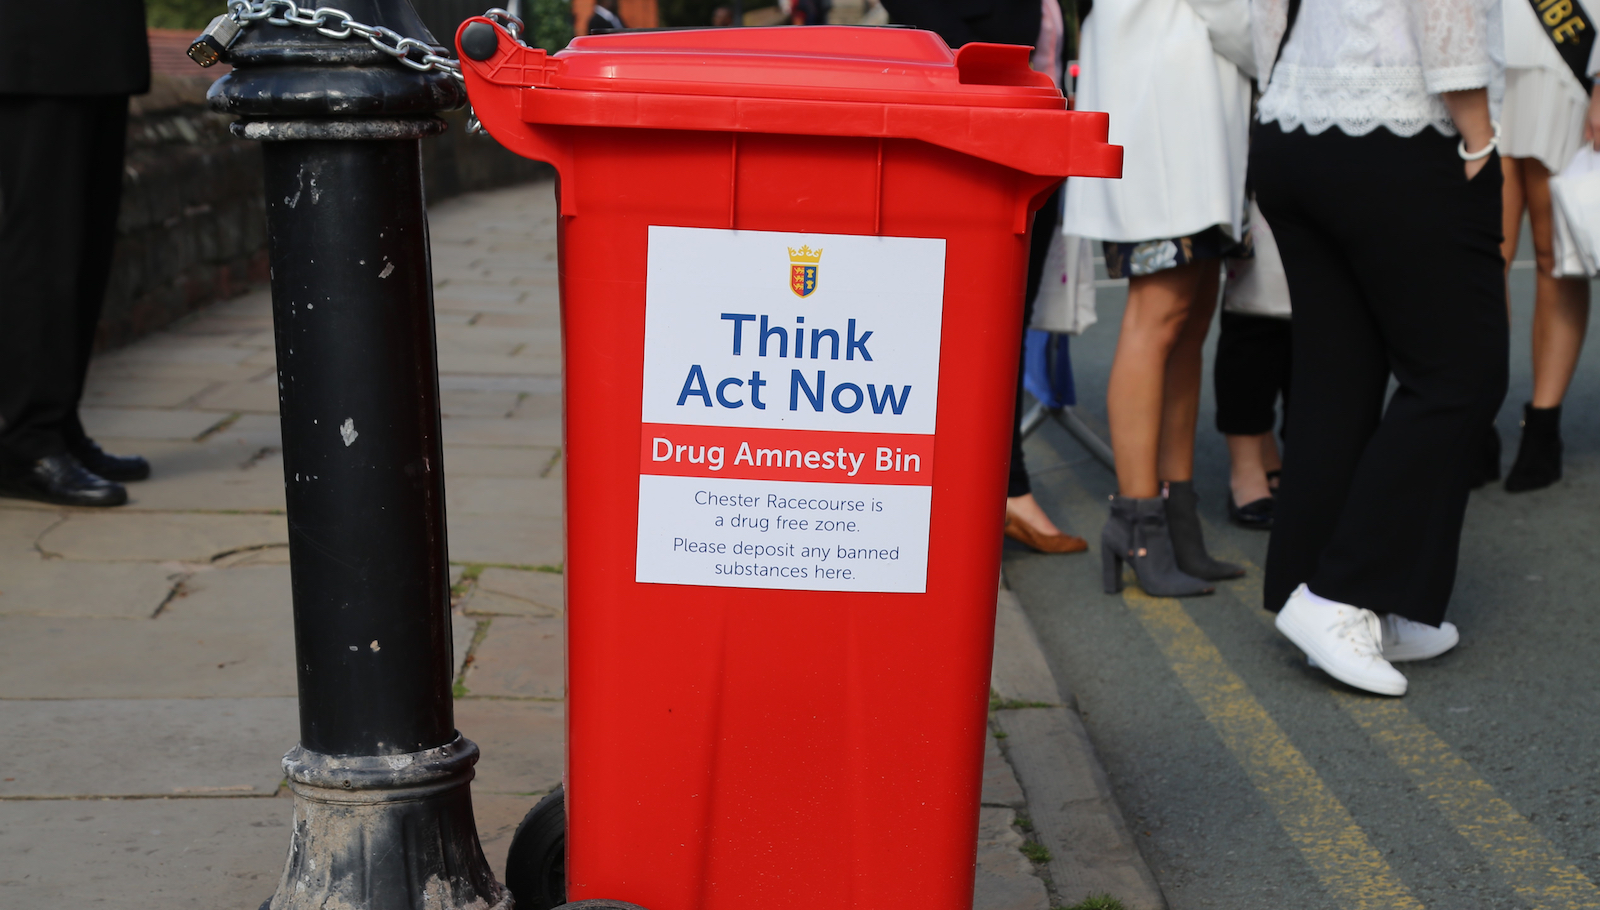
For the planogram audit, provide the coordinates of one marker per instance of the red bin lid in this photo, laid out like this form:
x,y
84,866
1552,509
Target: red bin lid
x,y
829,62
983,100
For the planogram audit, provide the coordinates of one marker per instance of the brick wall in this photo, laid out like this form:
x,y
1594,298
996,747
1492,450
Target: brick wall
x,y
193,223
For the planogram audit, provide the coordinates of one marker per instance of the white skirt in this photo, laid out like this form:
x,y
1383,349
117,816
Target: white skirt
x,y
1542,116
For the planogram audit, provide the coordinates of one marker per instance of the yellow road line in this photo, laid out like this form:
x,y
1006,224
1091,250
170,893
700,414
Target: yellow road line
x,y
1528,862
1337,850
1523,857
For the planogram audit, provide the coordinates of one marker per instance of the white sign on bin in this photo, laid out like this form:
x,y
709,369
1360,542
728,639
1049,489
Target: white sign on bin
x,y
791,383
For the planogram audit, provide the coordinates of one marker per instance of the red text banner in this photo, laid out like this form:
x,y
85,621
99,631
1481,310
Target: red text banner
x,y
744,453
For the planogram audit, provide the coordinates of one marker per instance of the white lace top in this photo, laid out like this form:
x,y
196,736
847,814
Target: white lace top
x,y
1363,64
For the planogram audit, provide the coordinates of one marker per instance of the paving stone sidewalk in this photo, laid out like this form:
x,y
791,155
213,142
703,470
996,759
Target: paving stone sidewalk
x,y
147,679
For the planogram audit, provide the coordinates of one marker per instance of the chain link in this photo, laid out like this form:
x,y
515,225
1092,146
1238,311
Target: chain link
x,y
336,23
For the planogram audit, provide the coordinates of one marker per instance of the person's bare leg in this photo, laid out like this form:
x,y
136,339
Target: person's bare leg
x,y
1271,459
1180,407
1512,200
1026,509
1157,309
1247,472
1560,305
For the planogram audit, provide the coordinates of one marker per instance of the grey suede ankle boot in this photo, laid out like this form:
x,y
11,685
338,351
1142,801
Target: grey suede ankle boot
x,y
1136,533
1188,543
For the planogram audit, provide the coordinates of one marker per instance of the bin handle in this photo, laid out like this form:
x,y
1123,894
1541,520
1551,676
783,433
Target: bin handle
x,y
495,85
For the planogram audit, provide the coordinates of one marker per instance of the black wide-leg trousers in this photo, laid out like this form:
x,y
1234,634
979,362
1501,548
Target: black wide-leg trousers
x,y
1394,268
60,188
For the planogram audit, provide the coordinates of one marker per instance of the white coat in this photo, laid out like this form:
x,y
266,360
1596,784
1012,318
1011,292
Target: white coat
x,y
1179,109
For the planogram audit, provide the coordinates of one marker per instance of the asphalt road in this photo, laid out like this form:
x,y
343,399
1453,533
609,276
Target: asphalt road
x,y
1254,782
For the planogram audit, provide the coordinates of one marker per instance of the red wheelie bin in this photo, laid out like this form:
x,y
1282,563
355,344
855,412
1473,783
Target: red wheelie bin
x,y
792,264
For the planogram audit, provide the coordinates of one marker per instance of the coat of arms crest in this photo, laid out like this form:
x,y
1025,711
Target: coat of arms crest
x,y
803,270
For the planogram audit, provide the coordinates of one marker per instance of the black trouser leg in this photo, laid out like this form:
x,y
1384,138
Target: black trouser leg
x,y
60,189
1394,267
1045,222
1250,372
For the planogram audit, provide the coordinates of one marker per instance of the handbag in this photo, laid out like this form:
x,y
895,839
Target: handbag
x,y
1065,301
1257,285
1575,193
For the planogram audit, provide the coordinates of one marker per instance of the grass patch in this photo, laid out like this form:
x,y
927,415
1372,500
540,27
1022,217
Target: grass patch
x,y
1036,852
474,569
996,703
1095,902
459,688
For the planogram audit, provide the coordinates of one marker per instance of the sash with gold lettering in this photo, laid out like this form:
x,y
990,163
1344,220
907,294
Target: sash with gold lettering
x,y
1568,24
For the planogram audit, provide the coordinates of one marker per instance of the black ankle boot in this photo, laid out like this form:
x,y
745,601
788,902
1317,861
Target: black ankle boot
x,y
1188,543
1538,463
1137,533
1486,469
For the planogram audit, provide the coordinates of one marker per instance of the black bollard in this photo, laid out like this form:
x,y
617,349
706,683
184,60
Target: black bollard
x,y
383,812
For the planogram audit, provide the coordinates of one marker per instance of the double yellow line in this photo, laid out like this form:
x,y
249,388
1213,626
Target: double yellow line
x,y
1332,844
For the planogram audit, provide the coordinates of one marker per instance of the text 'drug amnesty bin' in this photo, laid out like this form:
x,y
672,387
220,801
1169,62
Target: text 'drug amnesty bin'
x,y
790,389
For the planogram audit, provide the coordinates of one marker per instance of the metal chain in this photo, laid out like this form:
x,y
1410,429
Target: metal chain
x,y
336,23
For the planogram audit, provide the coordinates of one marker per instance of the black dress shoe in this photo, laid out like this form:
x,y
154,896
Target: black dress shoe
x,y
118,468
1257,515
63,480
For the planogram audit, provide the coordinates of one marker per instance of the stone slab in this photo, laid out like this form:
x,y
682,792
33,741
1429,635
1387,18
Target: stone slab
x,y
538,430
477,403
532,496
1000,787
529,385
21,524
515,540
1020,672
143,392
498,461
168,347
522,657
498,815
491,603
205,854
147,423
522,744
259,396
1004,879
186,537
111,369
462,630
145,747
219,474
1072,809
251,430
543,591
515,364
129,590
238,653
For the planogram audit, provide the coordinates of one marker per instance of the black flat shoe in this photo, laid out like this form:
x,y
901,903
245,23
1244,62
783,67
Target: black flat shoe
x,y
1256,516
63,480
117,468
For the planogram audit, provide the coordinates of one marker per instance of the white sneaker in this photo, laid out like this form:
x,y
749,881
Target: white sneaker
x,y
1404,639
1344,641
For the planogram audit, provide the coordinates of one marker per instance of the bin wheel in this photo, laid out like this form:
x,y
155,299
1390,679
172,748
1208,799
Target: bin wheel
x,y
536,867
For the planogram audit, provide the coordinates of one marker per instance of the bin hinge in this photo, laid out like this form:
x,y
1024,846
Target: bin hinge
x,y
516,65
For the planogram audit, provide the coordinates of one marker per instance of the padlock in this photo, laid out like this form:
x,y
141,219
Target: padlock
x,y
214,41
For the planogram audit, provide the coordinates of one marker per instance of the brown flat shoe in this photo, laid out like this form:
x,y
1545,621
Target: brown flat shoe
x,y
1044,543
